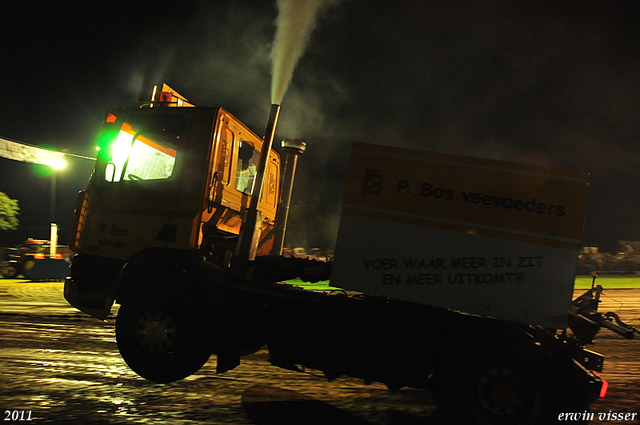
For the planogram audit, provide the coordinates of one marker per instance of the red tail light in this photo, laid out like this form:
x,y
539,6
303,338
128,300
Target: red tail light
x,y
604,387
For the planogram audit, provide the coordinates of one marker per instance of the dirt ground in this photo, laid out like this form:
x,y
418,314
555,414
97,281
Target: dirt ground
x,y
59,365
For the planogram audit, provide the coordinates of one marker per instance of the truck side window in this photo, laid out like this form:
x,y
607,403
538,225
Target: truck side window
x,y
246,167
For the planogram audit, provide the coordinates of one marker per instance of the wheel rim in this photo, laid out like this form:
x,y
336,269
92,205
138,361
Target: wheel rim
x,y
505,395
9,271
500,391
156,332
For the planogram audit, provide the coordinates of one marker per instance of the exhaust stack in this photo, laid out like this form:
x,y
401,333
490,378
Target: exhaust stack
x,y
293,149
250,230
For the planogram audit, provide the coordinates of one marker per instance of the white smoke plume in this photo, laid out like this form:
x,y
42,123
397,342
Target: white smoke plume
x,y
296,20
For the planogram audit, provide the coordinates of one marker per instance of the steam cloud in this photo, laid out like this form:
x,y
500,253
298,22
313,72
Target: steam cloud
x,y
296,20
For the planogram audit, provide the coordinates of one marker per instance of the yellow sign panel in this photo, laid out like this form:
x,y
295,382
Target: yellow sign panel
x,y
519,202
486,237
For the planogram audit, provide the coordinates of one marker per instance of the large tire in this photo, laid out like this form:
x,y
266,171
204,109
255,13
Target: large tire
x,y
503,390
26,268
506,392
9,271
163,339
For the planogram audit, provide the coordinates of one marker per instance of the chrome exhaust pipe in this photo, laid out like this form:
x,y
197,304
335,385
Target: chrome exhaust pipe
x,y
293,149
250,230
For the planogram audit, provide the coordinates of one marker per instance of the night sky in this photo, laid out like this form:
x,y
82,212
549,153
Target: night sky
x,y
552,83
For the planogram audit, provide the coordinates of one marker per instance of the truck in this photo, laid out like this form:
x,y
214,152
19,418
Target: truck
x,y
182,224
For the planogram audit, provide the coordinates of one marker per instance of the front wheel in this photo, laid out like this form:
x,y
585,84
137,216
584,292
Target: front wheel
x,y
162,340
9,271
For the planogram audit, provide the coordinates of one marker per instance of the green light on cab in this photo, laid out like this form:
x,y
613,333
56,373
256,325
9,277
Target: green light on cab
x,y
121,147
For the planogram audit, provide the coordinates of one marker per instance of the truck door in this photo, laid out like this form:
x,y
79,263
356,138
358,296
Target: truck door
x,y
236,158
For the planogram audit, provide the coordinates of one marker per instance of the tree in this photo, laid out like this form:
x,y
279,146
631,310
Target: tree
x,y
8,212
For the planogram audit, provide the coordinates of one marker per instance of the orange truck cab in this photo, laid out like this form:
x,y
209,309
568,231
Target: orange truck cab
x,y
167,179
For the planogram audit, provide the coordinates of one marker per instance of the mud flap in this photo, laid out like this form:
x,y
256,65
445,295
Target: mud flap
x,y
93,304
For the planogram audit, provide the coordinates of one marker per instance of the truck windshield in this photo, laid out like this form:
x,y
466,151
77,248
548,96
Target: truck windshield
x,y
140,153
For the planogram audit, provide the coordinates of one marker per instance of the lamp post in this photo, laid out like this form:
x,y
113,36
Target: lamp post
x,y
56,164
52,205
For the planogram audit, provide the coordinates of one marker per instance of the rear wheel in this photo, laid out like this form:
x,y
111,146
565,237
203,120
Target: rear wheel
x,y
162,339
502,391
26,268
505,393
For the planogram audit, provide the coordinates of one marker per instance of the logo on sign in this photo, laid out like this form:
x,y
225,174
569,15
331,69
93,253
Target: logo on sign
x,y
272,184
372,182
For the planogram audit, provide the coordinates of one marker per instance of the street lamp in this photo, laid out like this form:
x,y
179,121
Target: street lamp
x,y
56,164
